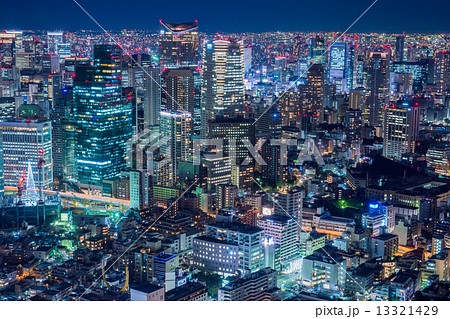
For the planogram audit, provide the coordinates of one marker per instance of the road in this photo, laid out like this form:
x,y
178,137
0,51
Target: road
x,y
87,197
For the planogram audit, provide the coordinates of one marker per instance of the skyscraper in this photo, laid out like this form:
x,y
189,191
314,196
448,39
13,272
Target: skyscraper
x,y
400,130
248,239
7,48
152,95
180,89
25,142
177,127
338,65
232,132
400,48
290,107
178,44
350,73
317,50
103,119
63,137
419,70
53,39
223,80
314,91
283,230
226,196
289,202
443,72
378,86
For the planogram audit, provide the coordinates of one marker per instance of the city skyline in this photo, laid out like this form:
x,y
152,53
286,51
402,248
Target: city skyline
x,y
385,17
183,165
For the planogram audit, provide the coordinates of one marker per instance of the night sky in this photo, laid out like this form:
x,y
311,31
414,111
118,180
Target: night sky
x,y
392,16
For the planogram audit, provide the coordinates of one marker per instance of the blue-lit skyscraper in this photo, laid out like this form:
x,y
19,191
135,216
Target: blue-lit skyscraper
x,y
350,70
317,51
337,64
341,64
103,119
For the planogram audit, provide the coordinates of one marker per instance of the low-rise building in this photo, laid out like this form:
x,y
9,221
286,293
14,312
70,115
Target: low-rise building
x,y
258,286
147,292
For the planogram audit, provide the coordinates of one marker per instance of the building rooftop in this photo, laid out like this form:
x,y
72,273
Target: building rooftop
x,y
385,236
276,218
239,227
213,240
237,282
147,288
179,27
401,279
184,291
322,257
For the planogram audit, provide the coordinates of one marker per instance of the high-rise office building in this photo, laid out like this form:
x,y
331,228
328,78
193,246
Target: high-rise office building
x,y
18,39
176,126
290,107
400,48
7,48
270,121
400,130
63,50
53,39
289,202
321,270
179,89
223,80
103,119
314,91
317,51
249,239
152,95
283,230
443,71
338,66
63,136
226,196
438,157
215,170
50,64
232,132
360,72
384,246
178,44
419,71
377,86
350,69
215,255
8,107
27,142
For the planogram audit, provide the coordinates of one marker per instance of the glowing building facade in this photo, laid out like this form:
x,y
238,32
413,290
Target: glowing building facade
x,y
103,120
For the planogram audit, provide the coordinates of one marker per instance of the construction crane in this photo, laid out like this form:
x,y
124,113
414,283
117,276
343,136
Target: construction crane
x,y
22,180
81,202
20,184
